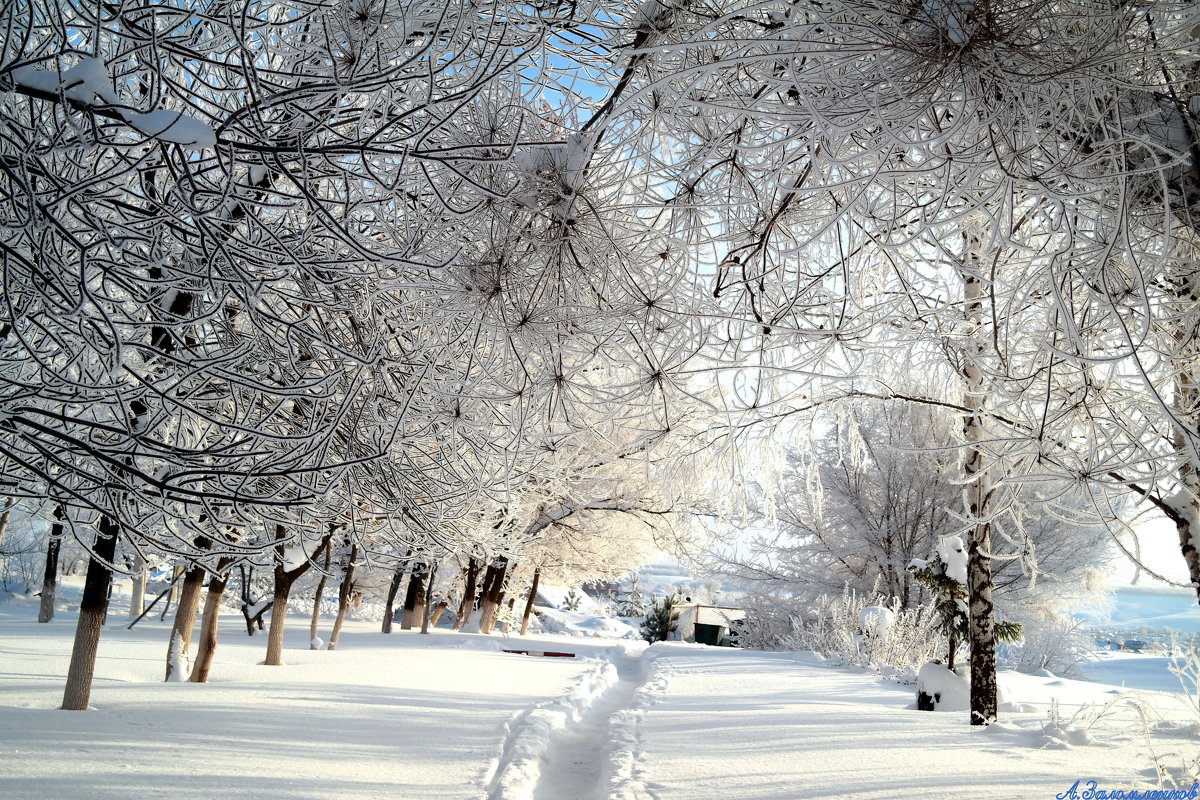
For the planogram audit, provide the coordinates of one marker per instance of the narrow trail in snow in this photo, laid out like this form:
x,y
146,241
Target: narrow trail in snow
x,y
576,763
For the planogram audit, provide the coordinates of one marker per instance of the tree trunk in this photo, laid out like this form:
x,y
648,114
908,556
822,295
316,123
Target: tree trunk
x,y
283,588
344,598
493,594
427,602
414,598
185,620
8,504
438,610
92,609
50,575
174,591
512,601
468,600
284,578
137,596
537,574
207,646
316,615
977,493
389,610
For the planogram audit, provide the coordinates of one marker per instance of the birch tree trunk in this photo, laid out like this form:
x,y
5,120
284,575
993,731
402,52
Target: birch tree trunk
x,y
8,504
1186,403
137,596
207,646
92,608
977,493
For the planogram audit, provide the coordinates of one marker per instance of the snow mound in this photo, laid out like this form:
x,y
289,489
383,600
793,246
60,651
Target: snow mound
x,y
573,623
950,691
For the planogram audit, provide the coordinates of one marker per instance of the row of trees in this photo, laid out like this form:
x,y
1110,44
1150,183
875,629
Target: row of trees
x,y
276,276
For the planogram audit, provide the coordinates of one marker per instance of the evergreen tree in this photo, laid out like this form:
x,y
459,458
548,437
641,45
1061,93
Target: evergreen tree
x,y
660,621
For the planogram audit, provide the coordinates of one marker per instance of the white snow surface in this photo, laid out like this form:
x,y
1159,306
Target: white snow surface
x,y
450,716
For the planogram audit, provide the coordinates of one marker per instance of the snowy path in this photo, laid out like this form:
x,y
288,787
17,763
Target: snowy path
x,y
576,766
566,750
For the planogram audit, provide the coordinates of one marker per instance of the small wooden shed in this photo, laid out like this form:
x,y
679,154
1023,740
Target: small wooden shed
x,y
705,624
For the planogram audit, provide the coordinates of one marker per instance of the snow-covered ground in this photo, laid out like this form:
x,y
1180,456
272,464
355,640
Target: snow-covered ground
x,y
452,716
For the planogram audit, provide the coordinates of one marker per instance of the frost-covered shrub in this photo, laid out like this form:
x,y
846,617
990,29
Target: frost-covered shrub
x,y
1185,665
1050,640
833,628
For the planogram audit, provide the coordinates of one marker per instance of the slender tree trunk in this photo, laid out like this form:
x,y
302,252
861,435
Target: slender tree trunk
x,y
533,588
977,492
414,598
185,621
92,608
50,575
344,591
316,615
468,600
176,571
137,596
8,504
427,601
438,610
389,610
493,595
207,646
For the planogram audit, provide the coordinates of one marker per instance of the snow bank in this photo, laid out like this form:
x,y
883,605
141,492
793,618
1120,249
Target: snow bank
x,y
572,623
950,691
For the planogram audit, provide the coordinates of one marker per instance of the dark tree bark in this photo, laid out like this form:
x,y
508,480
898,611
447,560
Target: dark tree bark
x,y
389,610
344,591
50,575
207,645
537,574
469,590
185,621
427,602
316,615
414,598
493,594
438,610
92,609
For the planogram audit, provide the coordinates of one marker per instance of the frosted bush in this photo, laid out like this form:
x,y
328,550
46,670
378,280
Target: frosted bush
x,y
832,628
1049,641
